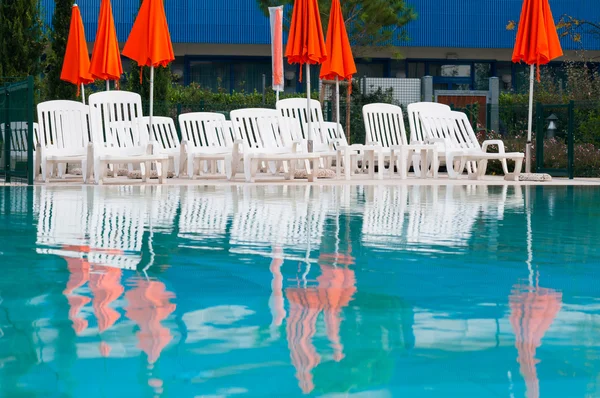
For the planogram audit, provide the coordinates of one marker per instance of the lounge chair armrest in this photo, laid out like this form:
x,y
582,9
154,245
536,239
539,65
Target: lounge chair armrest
x,y
487,143
439,142
373,143
297,146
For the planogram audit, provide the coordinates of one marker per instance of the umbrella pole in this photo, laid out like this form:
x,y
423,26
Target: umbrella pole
x,y
309,134
529,124
151,102
107,86
337,107
82,94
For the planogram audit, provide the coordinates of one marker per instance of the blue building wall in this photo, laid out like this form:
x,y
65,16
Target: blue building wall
x,y
441,23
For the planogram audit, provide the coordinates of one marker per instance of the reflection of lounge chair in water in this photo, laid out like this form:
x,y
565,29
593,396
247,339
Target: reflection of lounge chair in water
x,y
293,222
204,215
116,229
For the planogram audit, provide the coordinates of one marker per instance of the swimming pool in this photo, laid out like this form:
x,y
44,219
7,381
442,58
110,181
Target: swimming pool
x,y
332,291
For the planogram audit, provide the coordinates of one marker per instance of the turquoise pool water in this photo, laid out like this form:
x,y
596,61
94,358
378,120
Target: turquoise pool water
x,y
291,291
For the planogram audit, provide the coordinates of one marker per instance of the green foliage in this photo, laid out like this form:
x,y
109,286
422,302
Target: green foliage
x,y
23,38
371,24
54,87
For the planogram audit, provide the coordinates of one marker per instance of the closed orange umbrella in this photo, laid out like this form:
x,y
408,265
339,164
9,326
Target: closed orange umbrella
x,y
340,62
76,64
537,44
306,45
106,57
276,19
149,43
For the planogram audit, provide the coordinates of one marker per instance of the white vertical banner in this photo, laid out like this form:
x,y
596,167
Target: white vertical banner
x,y
276,18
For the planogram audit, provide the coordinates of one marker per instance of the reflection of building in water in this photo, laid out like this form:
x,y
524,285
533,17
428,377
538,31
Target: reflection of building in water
x,y
532,312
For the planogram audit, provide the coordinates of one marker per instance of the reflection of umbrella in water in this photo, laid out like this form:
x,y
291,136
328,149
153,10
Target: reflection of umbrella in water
x,y
105,283
335,289
532,312
276,303
148,305
79,274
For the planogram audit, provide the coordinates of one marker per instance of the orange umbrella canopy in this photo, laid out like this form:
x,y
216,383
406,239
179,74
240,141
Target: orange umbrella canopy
x,y
532,312
340,62
106,57
537,40
305,41
149,43
76,64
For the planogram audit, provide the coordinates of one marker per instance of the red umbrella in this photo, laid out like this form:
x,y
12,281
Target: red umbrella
x,y
106,56
76,64
149,43
537,43
306,46
532,312
340,62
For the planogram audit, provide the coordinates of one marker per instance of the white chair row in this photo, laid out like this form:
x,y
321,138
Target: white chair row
x,y
438,136
254,139
114,136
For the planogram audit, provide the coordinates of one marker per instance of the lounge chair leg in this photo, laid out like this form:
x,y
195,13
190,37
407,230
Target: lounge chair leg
x,y
404,159
435,163
314,171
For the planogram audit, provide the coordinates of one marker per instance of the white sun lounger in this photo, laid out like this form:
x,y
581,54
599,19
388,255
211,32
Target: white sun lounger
x,y
64,136
117,137
384,125
167,141
205,137
262,140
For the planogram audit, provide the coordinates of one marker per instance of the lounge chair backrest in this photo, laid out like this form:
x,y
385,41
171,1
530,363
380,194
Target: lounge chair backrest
x,y
464,130
229,132
438,127
294,118
114,122
384,124
258,128
64,126
165,133
204,129
417,108
331,129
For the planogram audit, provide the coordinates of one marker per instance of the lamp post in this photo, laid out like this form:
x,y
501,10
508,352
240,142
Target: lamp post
x,y
551,130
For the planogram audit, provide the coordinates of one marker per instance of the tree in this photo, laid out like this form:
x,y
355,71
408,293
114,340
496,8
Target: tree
x,y
61,21
23,38
576,28
371,24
